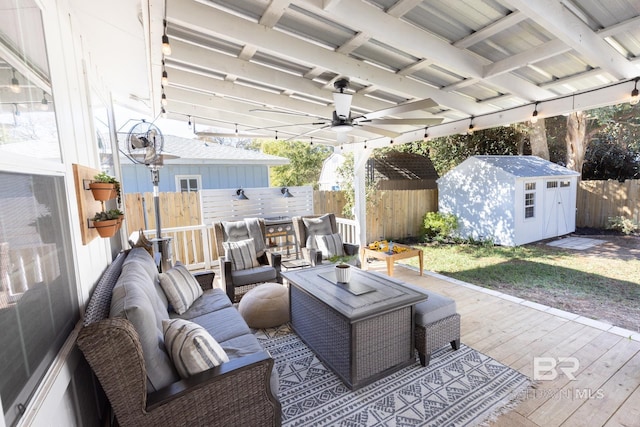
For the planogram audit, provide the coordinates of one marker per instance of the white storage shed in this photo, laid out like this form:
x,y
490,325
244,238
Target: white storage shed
x,y
512,200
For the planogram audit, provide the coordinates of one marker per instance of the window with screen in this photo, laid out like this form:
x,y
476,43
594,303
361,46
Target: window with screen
x,y
38,294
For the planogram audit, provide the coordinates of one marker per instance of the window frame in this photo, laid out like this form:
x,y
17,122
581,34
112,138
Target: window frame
x,y
179,178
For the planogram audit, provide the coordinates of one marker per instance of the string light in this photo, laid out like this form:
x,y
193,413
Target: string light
x,y
15,84
189,122
365,144
311,141
44,104
237,129
391,142
165,77
276,135
166,47
342,146
163,98
470,130
163,112
534,116
426,134
634,93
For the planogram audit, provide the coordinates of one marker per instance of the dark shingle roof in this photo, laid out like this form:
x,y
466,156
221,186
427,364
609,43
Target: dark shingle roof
x,y
398,170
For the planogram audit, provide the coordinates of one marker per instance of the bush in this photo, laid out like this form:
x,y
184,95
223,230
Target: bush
x,y
438,226
622,224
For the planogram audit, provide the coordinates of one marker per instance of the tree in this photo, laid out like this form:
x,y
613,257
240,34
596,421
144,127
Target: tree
x,y
538,139
306,162
575,139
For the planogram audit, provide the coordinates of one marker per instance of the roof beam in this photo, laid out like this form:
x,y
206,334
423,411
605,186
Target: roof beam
x,y
274,12
231,27
490,30
406,37
557,19
531,56
402,7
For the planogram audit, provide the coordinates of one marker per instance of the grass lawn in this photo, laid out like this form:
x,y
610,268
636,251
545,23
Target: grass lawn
x,y
604,288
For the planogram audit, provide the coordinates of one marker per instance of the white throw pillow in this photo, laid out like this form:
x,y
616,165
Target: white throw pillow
x,y
180,287
242,254
191,348
330,245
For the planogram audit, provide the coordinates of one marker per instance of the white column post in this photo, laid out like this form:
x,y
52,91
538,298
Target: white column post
x,y
360,206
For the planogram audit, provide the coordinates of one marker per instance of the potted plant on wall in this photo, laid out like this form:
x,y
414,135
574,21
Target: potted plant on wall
x,y
105,187
117,214
106,223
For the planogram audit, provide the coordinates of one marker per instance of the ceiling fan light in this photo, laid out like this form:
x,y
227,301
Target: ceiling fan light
x,y
342,102
342,128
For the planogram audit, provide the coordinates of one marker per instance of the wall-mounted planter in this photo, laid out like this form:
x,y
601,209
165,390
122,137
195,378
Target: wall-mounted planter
x,y
103,191
107,228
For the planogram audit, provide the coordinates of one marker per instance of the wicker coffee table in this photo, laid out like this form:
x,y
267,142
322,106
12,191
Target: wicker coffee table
x,y
363,331
390,258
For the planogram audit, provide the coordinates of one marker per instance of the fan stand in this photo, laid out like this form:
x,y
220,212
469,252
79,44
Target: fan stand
x,y
162,244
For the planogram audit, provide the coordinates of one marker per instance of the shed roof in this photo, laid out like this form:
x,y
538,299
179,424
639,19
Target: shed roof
x,y
525,166
396,166
195,151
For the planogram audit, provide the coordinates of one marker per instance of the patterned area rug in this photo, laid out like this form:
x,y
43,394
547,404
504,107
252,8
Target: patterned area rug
x,y
458,388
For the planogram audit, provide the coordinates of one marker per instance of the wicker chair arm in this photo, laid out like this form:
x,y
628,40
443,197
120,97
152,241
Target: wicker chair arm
x,y
225,277
351,249
205,279
215,395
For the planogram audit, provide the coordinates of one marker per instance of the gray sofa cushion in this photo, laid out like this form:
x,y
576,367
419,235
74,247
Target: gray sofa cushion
x,y
131,302
263,273
320,226
223,324
142,258
211,300
136,276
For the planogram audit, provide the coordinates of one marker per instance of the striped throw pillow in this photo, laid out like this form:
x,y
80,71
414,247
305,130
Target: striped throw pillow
x,y
242,254
180,287
330,245
191,348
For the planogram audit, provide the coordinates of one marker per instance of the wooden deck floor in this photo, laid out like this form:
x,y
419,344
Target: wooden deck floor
x,y
605,390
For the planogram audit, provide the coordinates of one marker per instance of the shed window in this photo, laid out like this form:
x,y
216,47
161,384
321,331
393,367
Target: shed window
x,y
565,183
529,199
552,184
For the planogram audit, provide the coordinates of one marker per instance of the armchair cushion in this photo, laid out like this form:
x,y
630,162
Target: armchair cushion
x,y
317,226
180,287
330,245
191,348
262,273
242,254
250,228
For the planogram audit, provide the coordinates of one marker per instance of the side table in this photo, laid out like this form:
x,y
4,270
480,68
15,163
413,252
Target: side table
x,y
390,258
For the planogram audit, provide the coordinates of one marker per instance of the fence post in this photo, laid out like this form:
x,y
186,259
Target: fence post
x,y
206,247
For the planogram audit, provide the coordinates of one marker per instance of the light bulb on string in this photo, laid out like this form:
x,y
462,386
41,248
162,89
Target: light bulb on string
x,y
470,130
634,93
311,143
163,99
534,116
15,84
166,47
44,104
189,122
426,135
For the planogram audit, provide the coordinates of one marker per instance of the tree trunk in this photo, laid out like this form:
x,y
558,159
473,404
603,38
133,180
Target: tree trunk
x,y
576,144
538,140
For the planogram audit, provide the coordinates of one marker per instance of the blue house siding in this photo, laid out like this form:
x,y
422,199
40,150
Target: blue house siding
x,y
137,178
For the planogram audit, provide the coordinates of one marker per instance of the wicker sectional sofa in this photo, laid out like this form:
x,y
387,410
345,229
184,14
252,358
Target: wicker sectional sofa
x,y
126,352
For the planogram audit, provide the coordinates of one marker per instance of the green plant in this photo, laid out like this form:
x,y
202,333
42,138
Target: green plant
x,y
115,213
105,216
108,179
439,226
341,259
622,224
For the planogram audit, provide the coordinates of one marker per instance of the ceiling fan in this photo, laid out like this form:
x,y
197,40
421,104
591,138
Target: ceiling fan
x,y
342,120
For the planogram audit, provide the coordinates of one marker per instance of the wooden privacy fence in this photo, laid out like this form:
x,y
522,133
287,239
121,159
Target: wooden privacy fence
x,y
391,214
599,200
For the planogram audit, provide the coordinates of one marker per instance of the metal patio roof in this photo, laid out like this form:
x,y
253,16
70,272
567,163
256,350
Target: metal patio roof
x,y
483,61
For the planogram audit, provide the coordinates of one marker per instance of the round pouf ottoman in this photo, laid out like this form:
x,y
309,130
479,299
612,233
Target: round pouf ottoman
x,y
265,306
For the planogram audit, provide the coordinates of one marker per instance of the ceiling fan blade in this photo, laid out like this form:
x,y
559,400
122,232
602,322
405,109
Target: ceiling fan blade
x,y
383,132
416,122
402,108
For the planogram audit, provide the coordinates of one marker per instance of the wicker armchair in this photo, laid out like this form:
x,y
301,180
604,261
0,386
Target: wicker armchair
x,y
237,283
312,254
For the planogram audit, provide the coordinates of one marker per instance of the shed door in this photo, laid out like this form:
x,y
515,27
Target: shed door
x,y
557,208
